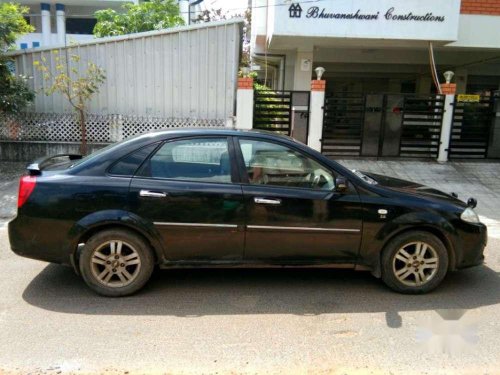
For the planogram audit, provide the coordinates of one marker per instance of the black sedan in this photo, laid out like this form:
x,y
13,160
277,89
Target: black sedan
x,y
228,198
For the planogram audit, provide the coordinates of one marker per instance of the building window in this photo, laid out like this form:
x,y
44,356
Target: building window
x,y
80,25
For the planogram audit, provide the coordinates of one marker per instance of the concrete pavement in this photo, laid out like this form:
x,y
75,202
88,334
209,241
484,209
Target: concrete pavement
x,y
257,321
239,321
9,181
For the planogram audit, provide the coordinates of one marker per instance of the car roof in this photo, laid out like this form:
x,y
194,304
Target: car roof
x,y
213,131
124,147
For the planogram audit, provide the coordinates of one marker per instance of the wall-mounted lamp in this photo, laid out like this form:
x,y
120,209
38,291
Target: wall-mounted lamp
x,y
245,71
319,72
448,76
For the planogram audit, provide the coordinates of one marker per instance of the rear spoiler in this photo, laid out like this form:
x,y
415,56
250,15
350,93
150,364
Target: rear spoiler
x,y
35,168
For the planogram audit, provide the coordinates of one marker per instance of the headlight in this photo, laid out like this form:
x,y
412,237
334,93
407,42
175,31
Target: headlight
x,y
469,216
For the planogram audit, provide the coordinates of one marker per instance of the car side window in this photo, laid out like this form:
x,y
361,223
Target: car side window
x,y
128,165
269,163
194,159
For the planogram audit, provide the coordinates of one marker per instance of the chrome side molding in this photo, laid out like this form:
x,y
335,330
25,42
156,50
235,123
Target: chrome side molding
x,y
196,225
312,229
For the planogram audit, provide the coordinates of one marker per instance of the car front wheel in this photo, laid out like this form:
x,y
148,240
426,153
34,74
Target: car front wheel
x,y
116,262
414,262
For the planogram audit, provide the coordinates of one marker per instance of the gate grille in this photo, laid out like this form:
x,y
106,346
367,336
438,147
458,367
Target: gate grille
x,y
470,132
272,111
421,127
343,124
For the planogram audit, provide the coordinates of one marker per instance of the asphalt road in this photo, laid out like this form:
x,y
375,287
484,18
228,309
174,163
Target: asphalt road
x,y
256,321
242,321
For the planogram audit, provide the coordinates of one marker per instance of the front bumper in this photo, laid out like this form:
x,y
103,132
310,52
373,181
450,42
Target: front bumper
x,y
473,239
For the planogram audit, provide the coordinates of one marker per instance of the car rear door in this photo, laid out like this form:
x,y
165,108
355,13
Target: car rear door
x,y
188,190
292,210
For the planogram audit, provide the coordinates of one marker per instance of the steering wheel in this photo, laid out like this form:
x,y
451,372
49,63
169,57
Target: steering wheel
x,y
316,179
318,173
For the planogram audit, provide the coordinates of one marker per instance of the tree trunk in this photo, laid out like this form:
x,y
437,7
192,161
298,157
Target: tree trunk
x,y
83,129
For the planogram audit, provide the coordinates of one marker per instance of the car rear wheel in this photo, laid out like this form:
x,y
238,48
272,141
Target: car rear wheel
x,y
116,262
414,262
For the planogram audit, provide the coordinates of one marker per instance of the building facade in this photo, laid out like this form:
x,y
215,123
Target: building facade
x,y
59,23
63,22
377,46
383,66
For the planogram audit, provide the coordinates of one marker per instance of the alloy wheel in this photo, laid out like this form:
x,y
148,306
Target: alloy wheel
x,y
415,263
115,263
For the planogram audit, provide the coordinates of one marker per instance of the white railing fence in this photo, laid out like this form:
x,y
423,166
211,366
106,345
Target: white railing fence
x,y
53,127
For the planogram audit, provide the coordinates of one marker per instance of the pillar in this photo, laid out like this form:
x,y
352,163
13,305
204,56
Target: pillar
x,y
244,104
303,71
424,84
116,128
184,10
316,114
61,24
449,90
394,86
494,142
46,27
461,76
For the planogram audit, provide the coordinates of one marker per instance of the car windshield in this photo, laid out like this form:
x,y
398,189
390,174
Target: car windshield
x,y
364,177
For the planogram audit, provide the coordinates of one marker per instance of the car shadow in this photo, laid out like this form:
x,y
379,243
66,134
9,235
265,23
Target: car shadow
x,y
201,292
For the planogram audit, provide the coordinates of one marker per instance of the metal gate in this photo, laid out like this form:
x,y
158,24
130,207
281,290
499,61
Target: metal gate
x,y
421,127
470,132
283,112
388,125
343,121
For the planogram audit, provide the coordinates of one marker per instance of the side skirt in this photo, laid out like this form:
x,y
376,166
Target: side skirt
x,y
256,264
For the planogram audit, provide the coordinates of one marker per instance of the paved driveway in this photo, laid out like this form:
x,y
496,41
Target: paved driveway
x,y
266,321
9,181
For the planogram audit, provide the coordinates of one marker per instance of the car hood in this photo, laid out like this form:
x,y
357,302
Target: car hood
x,y
414,188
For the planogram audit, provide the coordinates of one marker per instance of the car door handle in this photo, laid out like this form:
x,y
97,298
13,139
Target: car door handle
x,y
152,194
274,202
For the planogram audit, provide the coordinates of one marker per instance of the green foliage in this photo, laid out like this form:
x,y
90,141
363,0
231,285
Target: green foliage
x,y
14,91
77,87
145,16
12,24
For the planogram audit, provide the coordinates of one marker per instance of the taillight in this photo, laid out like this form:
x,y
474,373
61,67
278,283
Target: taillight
x,y
26,187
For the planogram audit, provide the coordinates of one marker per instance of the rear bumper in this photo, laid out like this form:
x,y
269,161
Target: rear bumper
x,y
38,239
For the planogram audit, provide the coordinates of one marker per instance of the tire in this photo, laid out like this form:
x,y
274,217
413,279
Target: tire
x,y
414,275
129,265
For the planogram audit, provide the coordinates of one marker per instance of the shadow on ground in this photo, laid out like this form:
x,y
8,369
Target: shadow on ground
x,y
194,293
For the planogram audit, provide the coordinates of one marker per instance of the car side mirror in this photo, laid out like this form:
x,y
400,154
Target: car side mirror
x,y
341,185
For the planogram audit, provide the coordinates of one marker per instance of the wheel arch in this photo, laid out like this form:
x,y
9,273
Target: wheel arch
x,y
94,223
450,250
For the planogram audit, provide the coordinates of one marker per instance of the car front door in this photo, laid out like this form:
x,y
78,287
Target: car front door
x,y
186,190
293,212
